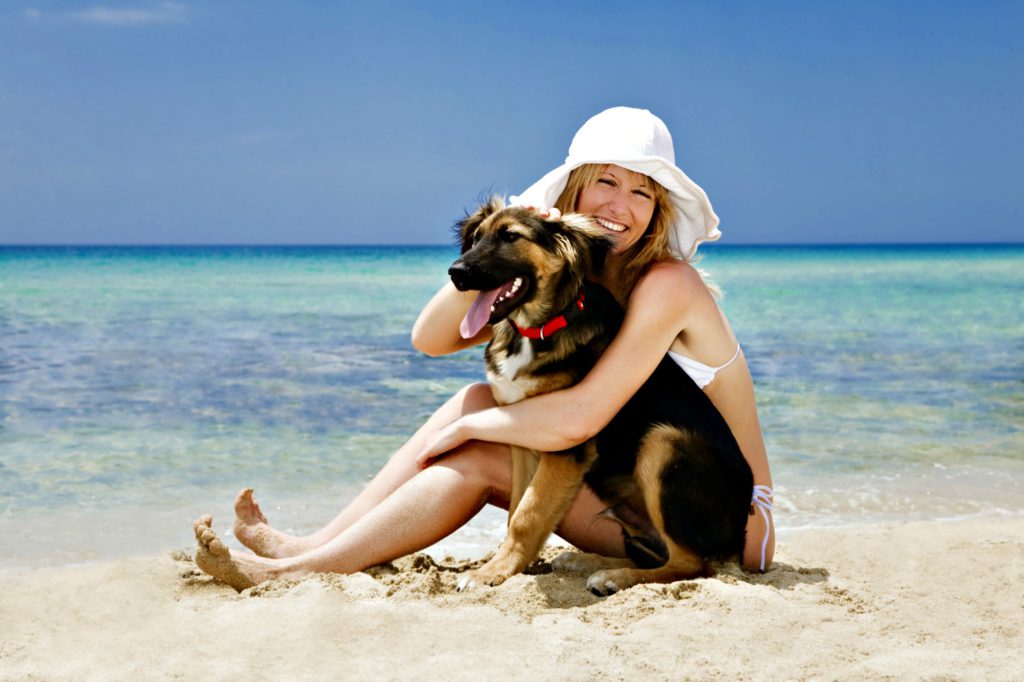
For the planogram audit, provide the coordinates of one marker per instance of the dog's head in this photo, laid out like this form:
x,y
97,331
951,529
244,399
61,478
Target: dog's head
x,y
523,265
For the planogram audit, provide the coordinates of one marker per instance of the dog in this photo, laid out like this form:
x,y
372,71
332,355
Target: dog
x,y
667,464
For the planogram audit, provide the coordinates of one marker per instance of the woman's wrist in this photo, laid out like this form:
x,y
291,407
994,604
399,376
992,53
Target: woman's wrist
x,y
469,426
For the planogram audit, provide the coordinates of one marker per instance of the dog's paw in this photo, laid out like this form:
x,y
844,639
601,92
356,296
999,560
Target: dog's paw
x,y
582,562
604,583
475,579
493,573
576,562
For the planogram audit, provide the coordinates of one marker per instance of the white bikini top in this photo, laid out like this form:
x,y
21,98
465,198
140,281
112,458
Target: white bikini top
x,y
701,374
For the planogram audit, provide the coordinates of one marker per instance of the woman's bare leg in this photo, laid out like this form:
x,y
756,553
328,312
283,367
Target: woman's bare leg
x,y
252,529
424,509
585,528
756,530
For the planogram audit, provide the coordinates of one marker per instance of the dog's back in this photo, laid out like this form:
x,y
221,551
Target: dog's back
x,y
705,481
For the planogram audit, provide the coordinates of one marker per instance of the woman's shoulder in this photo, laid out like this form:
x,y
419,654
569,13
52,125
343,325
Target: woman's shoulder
x,y
672,276
671,286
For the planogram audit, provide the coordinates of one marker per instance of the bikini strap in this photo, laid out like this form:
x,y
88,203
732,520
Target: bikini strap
x,y
762,499
732,360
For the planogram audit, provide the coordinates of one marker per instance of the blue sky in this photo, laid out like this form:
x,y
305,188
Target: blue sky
x,y
381,122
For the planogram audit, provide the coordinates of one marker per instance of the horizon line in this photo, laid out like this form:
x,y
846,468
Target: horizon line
x,y
325,245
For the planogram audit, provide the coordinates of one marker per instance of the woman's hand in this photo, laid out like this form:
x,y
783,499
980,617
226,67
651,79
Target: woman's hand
x,y
545,213
440,443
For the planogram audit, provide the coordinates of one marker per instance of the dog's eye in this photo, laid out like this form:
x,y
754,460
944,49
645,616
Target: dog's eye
x,y
509,236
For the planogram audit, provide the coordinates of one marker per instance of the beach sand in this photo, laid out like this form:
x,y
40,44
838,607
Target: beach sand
x,y
927,600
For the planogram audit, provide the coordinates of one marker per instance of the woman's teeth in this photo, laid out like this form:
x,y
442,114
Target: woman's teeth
x,y
614,227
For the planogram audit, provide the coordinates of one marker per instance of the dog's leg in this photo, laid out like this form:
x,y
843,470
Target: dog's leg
x,y
543,505
656,451
683,564
524,466
584,562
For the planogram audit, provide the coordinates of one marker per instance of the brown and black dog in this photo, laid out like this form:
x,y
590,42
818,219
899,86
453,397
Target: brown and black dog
x,y
667,465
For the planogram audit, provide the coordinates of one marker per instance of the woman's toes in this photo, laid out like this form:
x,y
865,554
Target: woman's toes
x,y
202,523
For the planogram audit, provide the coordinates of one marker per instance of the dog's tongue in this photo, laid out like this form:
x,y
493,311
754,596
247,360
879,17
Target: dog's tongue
x,y
478,313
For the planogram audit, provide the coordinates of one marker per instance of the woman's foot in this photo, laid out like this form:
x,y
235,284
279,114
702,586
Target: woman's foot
x,y
252,530
212,557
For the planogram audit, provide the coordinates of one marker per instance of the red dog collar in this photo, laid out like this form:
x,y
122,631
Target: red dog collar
x,y
552,325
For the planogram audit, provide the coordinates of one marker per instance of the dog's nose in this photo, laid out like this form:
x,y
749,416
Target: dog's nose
x,y
459,272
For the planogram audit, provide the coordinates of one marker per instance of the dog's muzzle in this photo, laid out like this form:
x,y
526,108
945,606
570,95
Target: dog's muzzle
x,y
460,273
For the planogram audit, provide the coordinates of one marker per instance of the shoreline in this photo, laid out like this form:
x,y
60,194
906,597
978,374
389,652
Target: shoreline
x,y
910,600
64,534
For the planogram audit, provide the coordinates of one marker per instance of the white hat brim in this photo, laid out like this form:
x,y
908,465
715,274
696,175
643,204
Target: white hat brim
x,y
696,221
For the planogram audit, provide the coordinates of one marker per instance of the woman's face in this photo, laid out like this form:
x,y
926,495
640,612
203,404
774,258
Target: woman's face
x,y
621,202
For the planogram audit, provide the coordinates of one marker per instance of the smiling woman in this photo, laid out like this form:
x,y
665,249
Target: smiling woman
x,y
620,171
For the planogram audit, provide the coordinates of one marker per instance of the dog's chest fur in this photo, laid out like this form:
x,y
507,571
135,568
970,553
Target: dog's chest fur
x,y
509,383
518,368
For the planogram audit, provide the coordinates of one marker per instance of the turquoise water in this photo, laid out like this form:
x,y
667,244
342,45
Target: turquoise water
x,y
140,387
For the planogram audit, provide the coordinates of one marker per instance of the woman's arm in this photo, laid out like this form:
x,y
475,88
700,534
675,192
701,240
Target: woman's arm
x,y
658,310
668,299
436,331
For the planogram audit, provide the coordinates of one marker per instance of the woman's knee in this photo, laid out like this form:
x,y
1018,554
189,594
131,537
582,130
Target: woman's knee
x,y
471,398
476,397
484,465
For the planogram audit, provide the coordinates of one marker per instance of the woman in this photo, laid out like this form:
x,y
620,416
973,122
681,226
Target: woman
x,y
621,171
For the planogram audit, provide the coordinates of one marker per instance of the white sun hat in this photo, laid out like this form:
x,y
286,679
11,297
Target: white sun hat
x,y
637,140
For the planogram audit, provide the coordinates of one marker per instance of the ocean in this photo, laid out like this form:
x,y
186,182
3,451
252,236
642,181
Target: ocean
x,y
142,386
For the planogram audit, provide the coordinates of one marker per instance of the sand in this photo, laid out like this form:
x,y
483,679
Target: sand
x,y
930,600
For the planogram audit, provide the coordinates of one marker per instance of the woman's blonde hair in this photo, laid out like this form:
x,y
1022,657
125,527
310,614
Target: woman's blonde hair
x,y
650,248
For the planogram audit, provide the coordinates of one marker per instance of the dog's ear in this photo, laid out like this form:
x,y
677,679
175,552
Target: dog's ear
x,y
598,248
584,246
593,251
467,227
